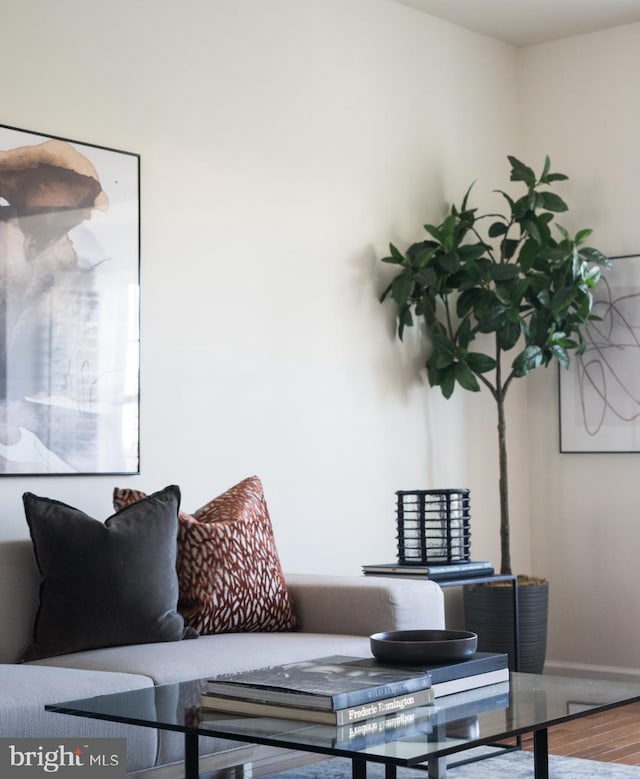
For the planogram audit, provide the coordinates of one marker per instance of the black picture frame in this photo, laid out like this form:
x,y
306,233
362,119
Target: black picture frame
x,y
599,394
70,300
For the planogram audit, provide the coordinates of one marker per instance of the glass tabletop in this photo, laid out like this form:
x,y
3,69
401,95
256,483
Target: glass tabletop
x,y
528,702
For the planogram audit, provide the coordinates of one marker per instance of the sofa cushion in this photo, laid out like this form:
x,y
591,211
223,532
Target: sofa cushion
x,y
228,566
26,689
104,584
213,655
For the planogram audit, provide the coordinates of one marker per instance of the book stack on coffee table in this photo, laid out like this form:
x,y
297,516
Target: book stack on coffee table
x,y
341,690
333,690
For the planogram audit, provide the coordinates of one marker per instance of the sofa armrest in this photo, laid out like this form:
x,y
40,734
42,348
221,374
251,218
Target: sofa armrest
x,y
361,605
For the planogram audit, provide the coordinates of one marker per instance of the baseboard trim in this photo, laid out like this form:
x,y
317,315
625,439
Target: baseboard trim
x,y
592,671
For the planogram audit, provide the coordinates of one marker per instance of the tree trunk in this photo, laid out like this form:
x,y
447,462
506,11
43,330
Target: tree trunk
x,y
505,542
499,395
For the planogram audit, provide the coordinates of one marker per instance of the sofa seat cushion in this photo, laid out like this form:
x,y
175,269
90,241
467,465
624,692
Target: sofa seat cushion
x,y
211,655
27,688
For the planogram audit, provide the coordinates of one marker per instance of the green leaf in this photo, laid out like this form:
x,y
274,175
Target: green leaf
x,y
505,272
528,360
508,333
521,172
528,254
594,255
441,342
509,247
496,229
466,301
384,295
450,262
471,251
463,206
582,235
442,360
544,297
447,383
583,306
561,355
530,227
503,294
562,299
480,363
396,258
560,339
405,319
421,254
522,289
556,177
508,198
466,378
464,336
547,166
592,276
397,254
401,288
521,207
434,232
553,202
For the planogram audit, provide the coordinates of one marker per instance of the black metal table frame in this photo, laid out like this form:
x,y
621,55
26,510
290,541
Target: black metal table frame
x,y
463,581
359,765
496,577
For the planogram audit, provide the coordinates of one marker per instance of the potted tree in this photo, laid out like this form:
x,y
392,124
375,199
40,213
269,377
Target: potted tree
x,y
524,289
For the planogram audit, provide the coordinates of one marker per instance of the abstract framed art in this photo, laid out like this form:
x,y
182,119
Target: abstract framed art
x,y
600,391
69,300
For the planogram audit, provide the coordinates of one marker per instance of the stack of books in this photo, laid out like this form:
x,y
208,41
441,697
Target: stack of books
x,y
465,570
341,690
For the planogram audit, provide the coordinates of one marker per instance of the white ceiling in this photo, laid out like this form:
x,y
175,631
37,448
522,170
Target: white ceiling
x,y
525,22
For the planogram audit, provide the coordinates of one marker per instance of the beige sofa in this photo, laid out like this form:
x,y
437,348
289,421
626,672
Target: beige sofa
x,y
336,616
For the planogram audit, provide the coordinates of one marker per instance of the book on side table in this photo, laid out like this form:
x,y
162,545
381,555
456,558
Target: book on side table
x,y
340,690
444,572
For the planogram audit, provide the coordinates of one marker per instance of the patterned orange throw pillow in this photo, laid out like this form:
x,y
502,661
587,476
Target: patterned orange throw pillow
x,y
229,572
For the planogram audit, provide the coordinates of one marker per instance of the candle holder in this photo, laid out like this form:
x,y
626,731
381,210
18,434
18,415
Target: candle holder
x,y
433,526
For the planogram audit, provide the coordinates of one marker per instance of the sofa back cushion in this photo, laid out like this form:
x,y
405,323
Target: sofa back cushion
x,y
19,581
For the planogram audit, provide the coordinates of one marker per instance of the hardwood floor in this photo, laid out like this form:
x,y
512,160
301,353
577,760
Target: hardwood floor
x,y
612,737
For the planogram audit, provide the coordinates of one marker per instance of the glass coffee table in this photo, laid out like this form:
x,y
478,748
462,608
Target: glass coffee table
x,y
529,703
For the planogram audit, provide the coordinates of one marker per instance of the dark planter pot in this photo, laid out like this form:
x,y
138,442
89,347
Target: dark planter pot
x,y
488,611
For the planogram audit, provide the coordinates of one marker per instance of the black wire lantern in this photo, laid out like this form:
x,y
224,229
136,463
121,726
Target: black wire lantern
x,y
433,526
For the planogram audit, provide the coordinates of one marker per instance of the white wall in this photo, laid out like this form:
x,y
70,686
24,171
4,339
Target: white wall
x,y
283,145
580,104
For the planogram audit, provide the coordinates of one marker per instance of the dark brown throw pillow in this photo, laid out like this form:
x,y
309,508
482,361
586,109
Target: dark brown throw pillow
x,y
105,583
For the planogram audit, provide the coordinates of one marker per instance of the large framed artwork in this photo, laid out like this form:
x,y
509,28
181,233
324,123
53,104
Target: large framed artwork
x,y
69,306
600,392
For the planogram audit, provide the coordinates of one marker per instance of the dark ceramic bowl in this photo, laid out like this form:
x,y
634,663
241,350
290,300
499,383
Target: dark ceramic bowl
x,y
423,646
